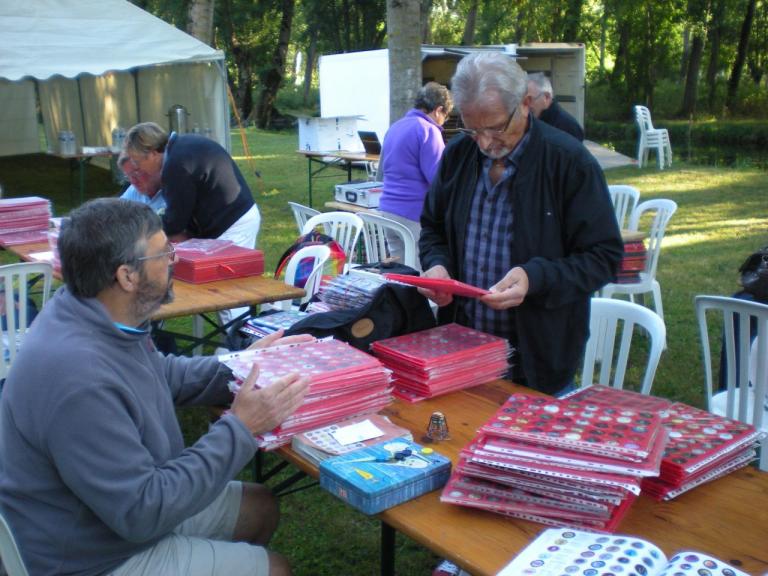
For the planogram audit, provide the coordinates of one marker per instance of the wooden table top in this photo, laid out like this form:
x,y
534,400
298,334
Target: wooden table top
x,y
208,297
346,207
727,518
341,155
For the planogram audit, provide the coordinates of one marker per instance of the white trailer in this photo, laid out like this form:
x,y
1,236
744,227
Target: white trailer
x,y
357,83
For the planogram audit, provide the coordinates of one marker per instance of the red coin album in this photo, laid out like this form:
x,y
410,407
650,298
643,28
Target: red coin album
x,y
440,285
702,446
581,426
486,496
233,261
24,214
571,461
442,359
632,262
344,382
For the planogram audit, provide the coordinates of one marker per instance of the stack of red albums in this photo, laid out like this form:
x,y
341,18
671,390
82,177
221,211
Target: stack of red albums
x,y
451,357
207,260
345,382
24,220
702,446
633,261
561,462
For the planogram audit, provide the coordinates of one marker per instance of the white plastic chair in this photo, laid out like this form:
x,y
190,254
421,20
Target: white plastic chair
x,y
746,361
9,552
302,213
320,255
625,199
608,320
15,281
377,229
344,227
651,138
662,211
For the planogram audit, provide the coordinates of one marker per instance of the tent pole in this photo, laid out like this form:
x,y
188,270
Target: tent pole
x,y
135,74
82,111
222,66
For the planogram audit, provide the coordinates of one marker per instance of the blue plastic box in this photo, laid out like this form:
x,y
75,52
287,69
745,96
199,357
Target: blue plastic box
x,y
386,481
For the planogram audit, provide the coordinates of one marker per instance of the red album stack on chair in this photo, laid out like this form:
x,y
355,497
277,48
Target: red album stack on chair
x,y
633,261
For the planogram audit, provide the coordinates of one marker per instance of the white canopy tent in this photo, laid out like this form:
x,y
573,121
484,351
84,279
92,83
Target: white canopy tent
x,y
96,65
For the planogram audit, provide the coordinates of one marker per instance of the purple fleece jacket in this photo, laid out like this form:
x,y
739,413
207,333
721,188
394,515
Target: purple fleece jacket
x,y
410,156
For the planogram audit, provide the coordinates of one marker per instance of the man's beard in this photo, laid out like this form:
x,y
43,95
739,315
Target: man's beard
x,y
151,295
497,153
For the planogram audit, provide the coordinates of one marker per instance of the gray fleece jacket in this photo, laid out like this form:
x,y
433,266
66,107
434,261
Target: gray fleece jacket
x,y
93,466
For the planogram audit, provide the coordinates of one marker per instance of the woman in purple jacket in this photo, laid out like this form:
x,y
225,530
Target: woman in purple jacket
x,y
409,158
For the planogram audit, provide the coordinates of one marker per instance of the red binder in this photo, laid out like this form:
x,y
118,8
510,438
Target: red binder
x,y
440,285
232,262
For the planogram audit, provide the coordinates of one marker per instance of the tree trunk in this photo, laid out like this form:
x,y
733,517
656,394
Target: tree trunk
x,y
200,20
620,67
692,76
603,37
426,31
273,77
741,55
403,28
572,25
468,38
686,52
715,34
309,66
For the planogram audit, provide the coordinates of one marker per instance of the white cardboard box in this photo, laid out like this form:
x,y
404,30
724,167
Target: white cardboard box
x,y
329,134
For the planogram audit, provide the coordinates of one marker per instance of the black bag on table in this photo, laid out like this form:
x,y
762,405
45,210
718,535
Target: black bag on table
x,y
394,310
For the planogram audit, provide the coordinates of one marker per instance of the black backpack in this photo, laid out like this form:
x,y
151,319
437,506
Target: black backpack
x,y
394,310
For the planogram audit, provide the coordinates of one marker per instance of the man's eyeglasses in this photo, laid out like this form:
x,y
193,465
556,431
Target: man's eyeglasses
x,y
170,254
490,132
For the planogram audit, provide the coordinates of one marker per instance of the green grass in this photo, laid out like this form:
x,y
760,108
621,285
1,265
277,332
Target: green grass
x,y
721,219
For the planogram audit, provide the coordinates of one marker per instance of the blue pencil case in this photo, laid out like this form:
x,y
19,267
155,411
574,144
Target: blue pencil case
x,y
383,475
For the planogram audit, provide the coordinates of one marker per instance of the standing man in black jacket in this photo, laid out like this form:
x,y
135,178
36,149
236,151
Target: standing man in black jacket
x,y
522,209
546,109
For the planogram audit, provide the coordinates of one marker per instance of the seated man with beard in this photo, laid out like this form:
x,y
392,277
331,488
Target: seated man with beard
x,y
95,477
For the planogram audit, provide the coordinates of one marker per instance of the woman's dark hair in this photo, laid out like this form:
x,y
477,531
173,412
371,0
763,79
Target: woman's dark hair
x,y
99,237
433,95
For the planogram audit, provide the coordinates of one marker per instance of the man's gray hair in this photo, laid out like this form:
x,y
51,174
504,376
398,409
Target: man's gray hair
x,y
481,74
99,237
542,82
146,137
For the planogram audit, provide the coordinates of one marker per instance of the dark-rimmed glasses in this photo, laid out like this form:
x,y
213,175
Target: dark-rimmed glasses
x,y
170,254
490,132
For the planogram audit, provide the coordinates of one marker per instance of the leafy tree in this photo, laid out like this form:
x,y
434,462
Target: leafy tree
x,y
272,76
697,15
741,55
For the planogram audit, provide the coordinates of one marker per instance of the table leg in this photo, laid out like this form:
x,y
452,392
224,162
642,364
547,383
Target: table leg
x,y
309,179
81,162
387,550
